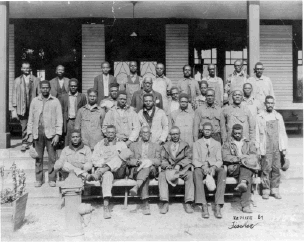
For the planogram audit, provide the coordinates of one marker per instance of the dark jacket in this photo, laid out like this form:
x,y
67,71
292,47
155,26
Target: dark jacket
x,y
99,85
137,100
55,85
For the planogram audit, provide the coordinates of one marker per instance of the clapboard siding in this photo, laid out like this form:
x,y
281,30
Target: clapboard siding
x,y
93,53
276,55
177,50
11,68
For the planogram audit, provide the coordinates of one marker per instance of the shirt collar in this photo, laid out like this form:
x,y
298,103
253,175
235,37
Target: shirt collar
x,y
185,110
125,108
78,148
238,74
40,97
75,95
88,106
160,76
236,106
261,78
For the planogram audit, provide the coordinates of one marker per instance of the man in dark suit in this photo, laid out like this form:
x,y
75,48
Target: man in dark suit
x,y
59,84
102,82
25,89
143,165
70,103
137,98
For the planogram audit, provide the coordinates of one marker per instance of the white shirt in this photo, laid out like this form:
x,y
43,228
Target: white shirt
x,y
207,141
239,145
174,106
270,116
26,79
61,82
106,85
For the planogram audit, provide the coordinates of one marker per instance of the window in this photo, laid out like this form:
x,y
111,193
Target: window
x,y
231,57
201,60
299,91
297,62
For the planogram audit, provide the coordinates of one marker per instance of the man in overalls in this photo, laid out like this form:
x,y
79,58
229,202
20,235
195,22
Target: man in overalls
x,y
272,142
110,101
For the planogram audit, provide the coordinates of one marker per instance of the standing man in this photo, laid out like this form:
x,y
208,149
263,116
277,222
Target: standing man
x,y
59,84
176,156
253,104
143,165
262,85
137,98
235,81
133,82
201,99
162,84
125,119
71,102
183,118
45,127
208,112
25,89
102,82
237,113
110,101
241,157
89,119
155,118
173,102
207,160
215,83
188,84
272,142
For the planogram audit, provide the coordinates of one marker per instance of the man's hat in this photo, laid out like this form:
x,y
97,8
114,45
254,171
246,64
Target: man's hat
x,y
33,153
210,183
172,177
285,163
251,162
125,154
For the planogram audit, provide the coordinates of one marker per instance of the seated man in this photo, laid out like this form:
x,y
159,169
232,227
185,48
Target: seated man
x,y
143,165
241,157
207,160
75,157
104,151
176,155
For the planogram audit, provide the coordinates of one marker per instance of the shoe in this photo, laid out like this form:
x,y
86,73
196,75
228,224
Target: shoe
x,y
92,177
52,184
265,196
217,211
164,208
205,211
107,213
188,208
276,196
23,147
247,209
146,208
37,183
134,191
242,187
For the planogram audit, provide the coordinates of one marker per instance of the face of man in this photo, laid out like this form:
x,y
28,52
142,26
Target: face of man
x,y
247,90
113,93
111,134
259,69
187,71
105,69
73,87
133,67
148,103
210,97
147,84
237,134
75,139
45,90
160,69
92,98
122,100
211,69
25,69
183,103
60,70
145,134
269,103
175,135
238,66
203,89
175,94
207,131
237,97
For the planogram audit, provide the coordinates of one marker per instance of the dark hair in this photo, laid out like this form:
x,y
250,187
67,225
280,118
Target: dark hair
x,y
203,82
73,80
258,64
210,89
148,95
186,66
159,63
175,127
242,63
25,62
207,124
174,88
183,95
237,127
122,92
76,131
44,82
114,84
111,126
92,90
247,83
105,62
269,97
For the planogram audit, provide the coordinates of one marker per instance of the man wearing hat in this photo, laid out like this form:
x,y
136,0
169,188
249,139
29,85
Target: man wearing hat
x,y
110,101
207,160
237,113
272,142
183,118
176,159
240,155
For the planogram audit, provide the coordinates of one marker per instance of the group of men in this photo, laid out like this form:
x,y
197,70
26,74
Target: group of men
x,y
147,128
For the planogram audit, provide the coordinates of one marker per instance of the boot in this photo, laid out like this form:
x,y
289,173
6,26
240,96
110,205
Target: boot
x,y
247,209
164,208
265,196
242,186
134,191
92,177
277,196
107,213
146,207
205,211
217,211
188,208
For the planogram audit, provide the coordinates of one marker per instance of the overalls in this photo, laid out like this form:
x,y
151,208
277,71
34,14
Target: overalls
x,y
131,88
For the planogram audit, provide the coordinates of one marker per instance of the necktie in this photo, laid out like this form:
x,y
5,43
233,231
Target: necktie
x,y
208,149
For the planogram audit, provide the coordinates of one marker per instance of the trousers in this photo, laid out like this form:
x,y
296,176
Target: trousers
x,y
70,128
221,176
24,123
107,180
188,186
144,175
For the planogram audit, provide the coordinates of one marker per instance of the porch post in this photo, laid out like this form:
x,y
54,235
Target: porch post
x,y
253,29
4,82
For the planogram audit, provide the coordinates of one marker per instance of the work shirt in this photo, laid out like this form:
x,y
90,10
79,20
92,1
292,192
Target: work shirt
x,y
72,105
235,81
253,104
189,86
215,83
106,85
262,87
108,103
126,122
200,100
145,149
162,84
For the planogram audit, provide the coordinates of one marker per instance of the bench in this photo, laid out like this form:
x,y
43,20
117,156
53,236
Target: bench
x,y
292,117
